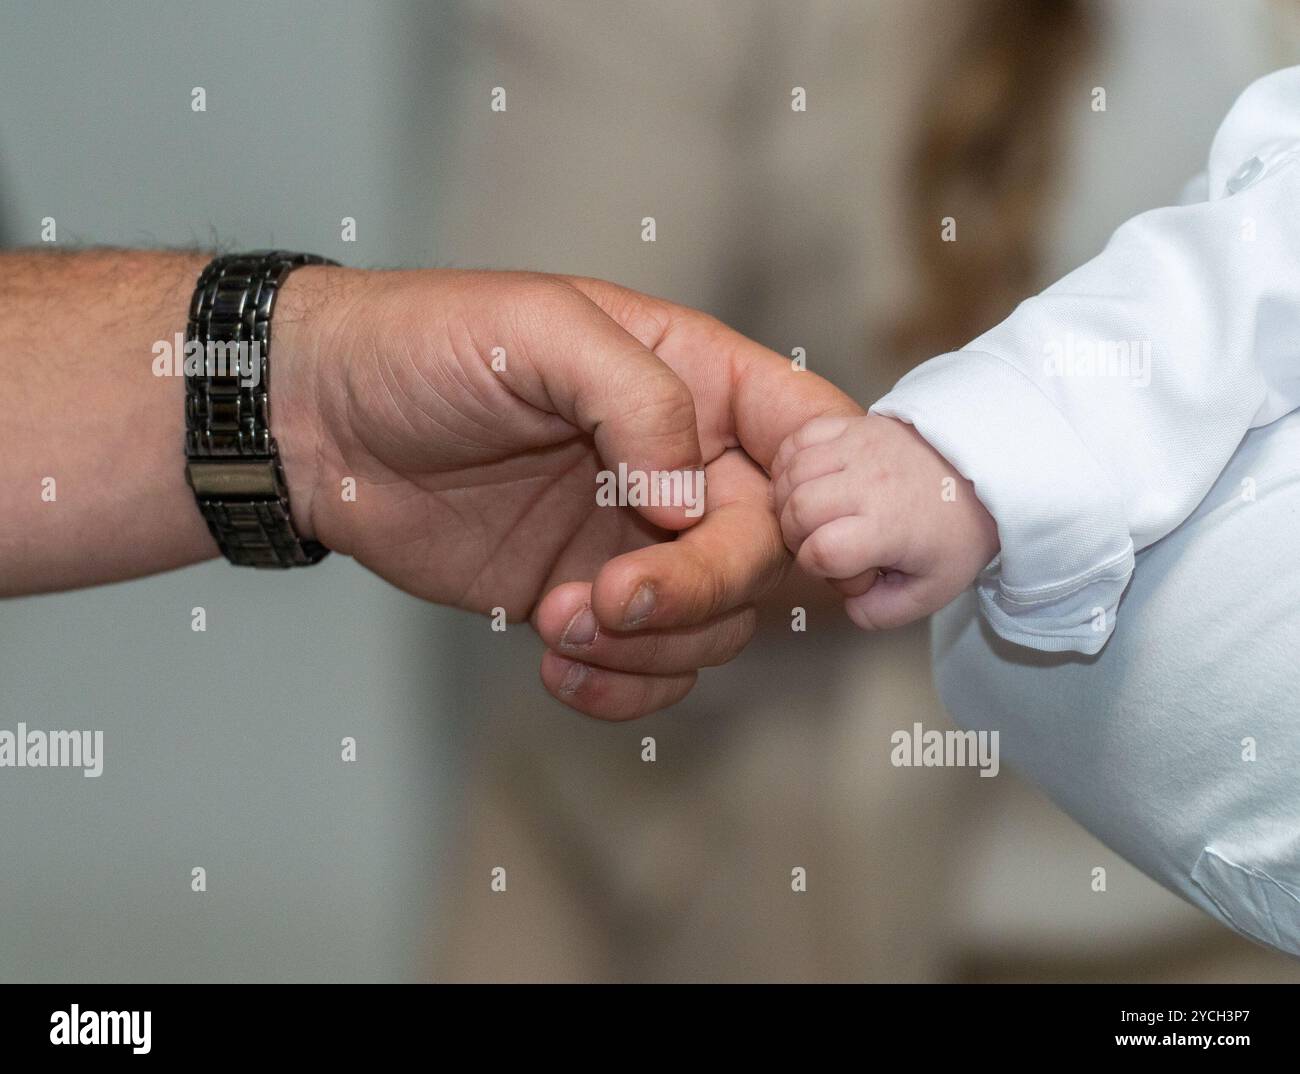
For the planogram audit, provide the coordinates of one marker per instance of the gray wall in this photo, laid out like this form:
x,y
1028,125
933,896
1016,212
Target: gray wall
x,y
222,748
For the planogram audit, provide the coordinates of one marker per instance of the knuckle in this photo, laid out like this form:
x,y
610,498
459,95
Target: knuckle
x,y
818,429
737,634
807,465
537,304
814,553
544,287
710,589
676,401
668,409
822,553
798,506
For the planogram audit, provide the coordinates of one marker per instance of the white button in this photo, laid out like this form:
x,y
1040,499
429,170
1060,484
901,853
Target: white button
x,y
1246,175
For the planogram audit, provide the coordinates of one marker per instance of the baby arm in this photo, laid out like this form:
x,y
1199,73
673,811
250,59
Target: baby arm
x,y
1091,421
867,504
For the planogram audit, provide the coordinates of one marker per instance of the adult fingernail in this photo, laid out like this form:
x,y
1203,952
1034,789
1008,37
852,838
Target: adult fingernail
x,y
581,631
640,607
573,678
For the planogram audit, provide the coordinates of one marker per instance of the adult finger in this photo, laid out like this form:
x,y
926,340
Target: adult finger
x,y
566,622
731,558
744,393
611,695
571,359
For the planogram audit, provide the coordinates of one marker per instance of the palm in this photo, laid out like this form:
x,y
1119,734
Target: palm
x,y
475,539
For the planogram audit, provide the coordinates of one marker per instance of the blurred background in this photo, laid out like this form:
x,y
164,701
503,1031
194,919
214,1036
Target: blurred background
x,y
814,229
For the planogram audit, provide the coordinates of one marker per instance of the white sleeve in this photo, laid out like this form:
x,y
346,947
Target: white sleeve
x,y
1095,418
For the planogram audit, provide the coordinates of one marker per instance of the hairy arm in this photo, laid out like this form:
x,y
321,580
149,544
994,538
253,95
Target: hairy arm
x,y
92,464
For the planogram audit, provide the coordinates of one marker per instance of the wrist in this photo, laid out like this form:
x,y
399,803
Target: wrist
x,y
974,528
303,360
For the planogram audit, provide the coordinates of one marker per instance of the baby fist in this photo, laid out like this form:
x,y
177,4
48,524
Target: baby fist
x,y
867,504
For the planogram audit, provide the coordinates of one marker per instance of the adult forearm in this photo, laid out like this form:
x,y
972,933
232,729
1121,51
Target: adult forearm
x,y
92,466
448,430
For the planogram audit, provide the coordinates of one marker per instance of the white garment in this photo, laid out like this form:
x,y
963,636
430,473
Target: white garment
x,y
1095,418
1179,744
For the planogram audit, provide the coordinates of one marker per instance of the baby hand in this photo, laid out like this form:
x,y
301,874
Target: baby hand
x,y
867,504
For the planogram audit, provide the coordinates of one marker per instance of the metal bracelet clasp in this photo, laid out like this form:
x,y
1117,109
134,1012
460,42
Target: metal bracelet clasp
x,y
226,479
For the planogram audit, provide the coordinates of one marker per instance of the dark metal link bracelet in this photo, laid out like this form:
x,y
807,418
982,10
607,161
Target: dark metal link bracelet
x,y
233,464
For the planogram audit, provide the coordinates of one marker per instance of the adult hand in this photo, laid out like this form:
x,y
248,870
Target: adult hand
x,y
474,411
476,485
